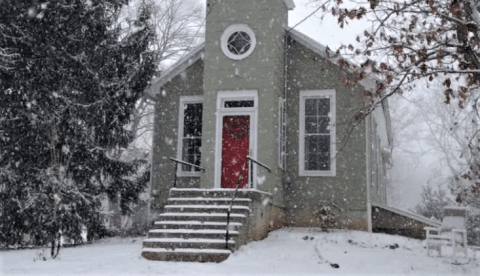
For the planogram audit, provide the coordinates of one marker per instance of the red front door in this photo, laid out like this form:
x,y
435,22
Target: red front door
x,y
235,149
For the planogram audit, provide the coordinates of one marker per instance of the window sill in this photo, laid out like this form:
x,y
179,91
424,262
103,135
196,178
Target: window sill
x,y
317,173
185,174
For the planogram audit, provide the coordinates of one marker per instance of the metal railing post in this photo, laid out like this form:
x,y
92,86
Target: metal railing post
x,y
175,175
250,174
226,234
176,161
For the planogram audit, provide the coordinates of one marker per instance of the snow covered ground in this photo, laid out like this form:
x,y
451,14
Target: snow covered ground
x,y
289,251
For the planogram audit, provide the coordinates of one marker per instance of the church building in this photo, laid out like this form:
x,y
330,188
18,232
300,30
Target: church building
x,y
262,107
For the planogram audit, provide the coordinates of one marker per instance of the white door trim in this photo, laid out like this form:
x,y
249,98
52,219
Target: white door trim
x,y
222,96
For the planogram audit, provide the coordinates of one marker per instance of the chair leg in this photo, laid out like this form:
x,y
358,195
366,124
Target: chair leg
x,y
454,246
428,248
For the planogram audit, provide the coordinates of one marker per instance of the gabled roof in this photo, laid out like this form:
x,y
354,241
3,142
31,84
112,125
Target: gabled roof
x,y
199,52
367,83
179,66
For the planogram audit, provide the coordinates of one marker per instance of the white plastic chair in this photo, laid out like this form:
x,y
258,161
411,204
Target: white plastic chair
x,y
452,232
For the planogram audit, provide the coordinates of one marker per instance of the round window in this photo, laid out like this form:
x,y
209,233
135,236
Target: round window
x,y
238,41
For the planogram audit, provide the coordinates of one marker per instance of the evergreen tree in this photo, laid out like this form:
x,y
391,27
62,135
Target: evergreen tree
x,y
432,203
70,76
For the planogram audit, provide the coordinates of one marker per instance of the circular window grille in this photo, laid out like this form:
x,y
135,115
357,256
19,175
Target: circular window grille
x,y
238,41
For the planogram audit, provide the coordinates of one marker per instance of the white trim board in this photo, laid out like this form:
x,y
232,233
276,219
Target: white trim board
x,y
181,118
304,94
222,96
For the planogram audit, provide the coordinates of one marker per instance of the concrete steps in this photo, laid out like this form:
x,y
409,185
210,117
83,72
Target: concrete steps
x,y
193,226
186,254
209,201
170,243
211,209
203,217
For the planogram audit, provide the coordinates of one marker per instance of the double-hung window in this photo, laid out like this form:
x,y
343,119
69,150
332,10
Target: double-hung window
x,y
317,133
190,134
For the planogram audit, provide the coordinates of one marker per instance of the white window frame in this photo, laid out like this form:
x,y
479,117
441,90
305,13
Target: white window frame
x,y
231,30
181,120
305,94
281,133
242,95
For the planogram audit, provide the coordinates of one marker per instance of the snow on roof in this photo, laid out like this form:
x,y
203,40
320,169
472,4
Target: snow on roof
x,y
180,65
367,83
308,42
407,214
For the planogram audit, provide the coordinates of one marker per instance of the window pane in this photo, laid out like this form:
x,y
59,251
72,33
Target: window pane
x,y
324,162
317,152
310,124
311,162
323,106
311,107
192,133
192,120
235,104
311,144
187,145
323,143
197,144
324,125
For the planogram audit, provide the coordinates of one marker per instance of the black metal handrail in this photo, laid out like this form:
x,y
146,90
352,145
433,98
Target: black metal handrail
x,y
176,161
248,160
240,177
259,163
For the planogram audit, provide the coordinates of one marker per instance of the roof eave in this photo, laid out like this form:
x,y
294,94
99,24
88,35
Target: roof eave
x,y
367,83
180,65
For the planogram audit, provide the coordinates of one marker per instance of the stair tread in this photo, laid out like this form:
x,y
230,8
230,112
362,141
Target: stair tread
x,y
194,222
196,231
178,240
187,250
202,215
208,199
208,189
208,206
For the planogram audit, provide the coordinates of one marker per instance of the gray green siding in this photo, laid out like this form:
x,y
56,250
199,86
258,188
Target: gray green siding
x,y
261,71
165,139
309,71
